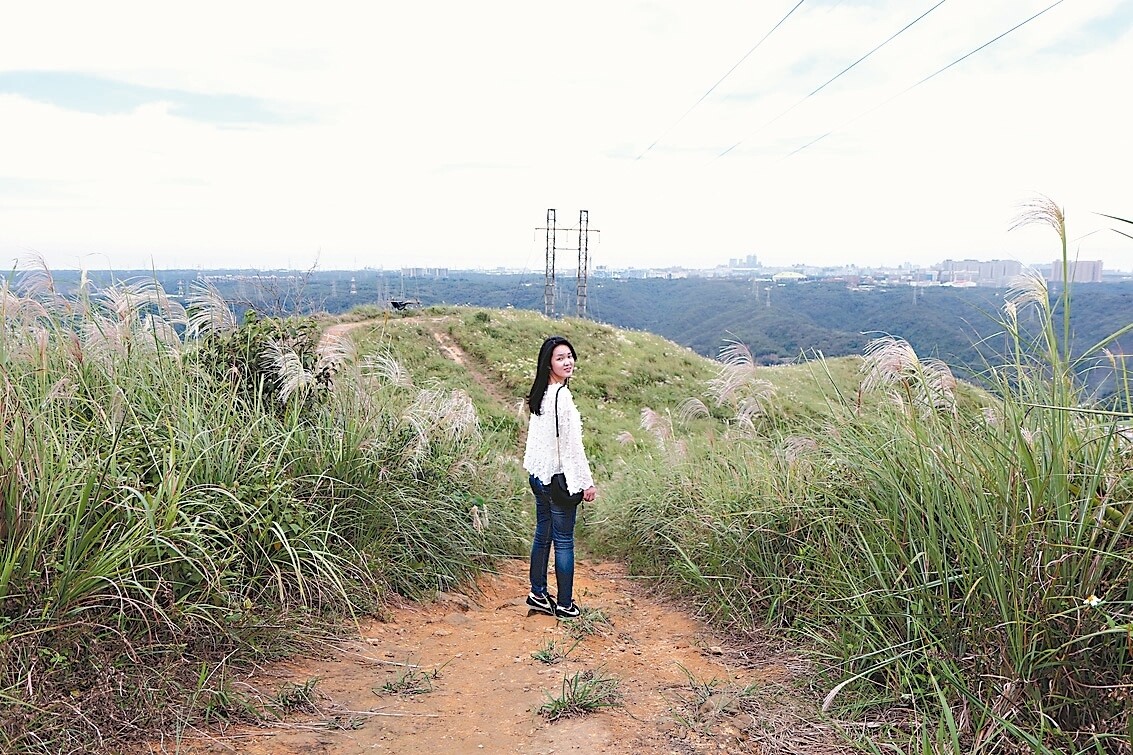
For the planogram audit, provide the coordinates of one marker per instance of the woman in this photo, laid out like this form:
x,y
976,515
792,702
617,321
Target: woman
x,y
554,446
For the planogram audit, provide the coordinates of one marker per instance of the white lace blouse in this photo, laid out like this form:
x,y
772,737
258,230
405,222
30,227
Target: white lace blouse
x,y
543,457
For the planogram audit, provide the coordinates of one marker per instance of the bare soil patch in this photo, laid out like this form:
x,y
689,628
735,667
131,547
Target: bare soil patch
x,y
476,687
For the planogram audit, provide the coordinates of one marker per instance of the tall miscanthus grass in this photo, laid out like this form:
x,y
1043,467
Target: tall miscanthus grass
x,y
155,514
427,503
964,572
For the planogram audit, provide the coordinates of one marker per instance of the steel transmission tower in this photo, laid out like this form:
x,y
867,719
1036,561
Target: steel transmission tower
x,y
583,250
549,274
583,260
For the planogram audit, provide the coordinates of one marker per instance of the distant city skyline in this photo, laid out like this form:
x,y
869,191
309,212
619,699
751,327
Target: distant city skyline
x,y
869,132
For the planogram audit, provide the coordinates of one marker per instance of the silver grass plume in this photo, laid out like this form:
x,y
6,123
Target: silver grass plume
x,y
420,424
1027,288
42,341
796,447
172,311
660,426
690,409
208,311
36,279
22,326
888,360
735,369
63,390
104,338
23,309
158,332
450,412
388,369
288,368
799,452
656,423
125,302
458,416
334,351
891,363
747,409
1042,211
37,282
736,384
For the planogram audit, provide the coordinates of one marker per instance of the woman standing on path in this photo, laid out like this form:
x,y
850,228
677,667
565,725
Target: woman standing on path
x,y
554,450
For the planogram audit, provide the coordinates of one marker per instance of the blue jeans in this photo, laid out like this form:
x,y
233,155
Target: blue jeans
x,y
553,523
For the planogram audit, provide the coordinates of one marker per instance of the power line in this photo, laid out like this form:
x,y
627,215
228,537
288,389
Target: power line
x,y
835,78
726,75
926,78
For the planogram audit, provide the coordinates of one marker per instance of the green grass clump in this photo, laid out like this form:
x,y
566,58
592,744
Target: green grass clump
x,y
160,510
590,621
582,693
552,651
958,558
412,681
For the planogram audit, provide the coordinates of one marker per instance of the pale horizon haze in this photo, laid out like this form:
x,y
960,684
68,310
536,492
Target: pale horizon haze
x,y
344,135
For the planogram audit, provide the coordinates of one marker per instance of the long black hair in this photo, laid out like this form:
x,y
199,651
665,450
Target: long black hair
x,y
543,372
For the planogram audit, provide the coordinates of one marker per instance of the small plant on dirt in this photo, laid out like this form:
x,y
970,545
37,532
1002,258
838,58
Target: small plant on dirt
x,y
552,651
585,692
709,701
590,621
215,701
345,722
411,682
701,690
292,698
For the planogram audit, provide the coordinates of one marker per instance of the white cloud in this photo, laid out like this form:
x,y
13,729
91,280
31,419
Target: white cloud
x,y
442,131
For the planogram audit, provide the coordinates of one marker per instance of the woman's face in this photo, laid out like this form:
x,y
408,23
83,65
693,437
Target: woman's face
x,y
562,363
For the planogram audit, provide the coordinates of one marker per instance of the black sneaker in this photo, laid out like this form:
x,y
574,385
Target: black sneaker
x,y
542,603
567,612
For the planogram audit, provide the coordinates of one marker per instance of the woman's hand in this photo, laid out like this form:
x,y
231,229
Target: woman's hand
x,y
590,493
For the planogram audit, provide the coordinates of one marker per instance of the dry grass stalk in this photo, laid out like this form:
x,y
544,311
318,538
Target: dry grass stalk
x,y
1042,211
690,409
797,447
1027,288
209,312
388,370
288,368
737,385
893,366
334,351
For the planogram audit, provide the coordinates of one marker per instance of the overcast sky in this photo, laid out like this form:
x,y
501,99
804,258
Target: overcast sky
x,y
382,134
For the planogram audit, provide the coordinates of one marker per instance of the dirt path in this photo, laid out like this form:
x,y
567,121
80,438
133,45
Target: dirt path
x,y
461,675
447,346
478,688
451,350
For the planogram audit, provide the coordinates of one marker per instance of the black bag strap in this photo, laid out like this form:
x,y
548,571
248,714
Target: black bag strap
x,y
557,410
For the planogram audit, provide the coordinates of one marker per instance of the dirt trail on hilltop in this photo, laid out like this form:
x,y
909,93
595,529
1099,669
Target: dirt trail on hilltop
x,y
448,347
460,675
476,687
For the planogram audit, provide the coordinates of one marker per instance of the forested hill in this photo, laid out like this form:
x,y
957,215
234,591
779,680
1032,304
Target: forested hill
x,y
778,323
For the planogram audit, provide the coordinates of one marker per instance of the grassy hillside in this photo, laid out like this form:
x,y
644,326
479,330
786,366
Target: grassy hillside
x,y
959,561
181,497
200,494
620,375
778,323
